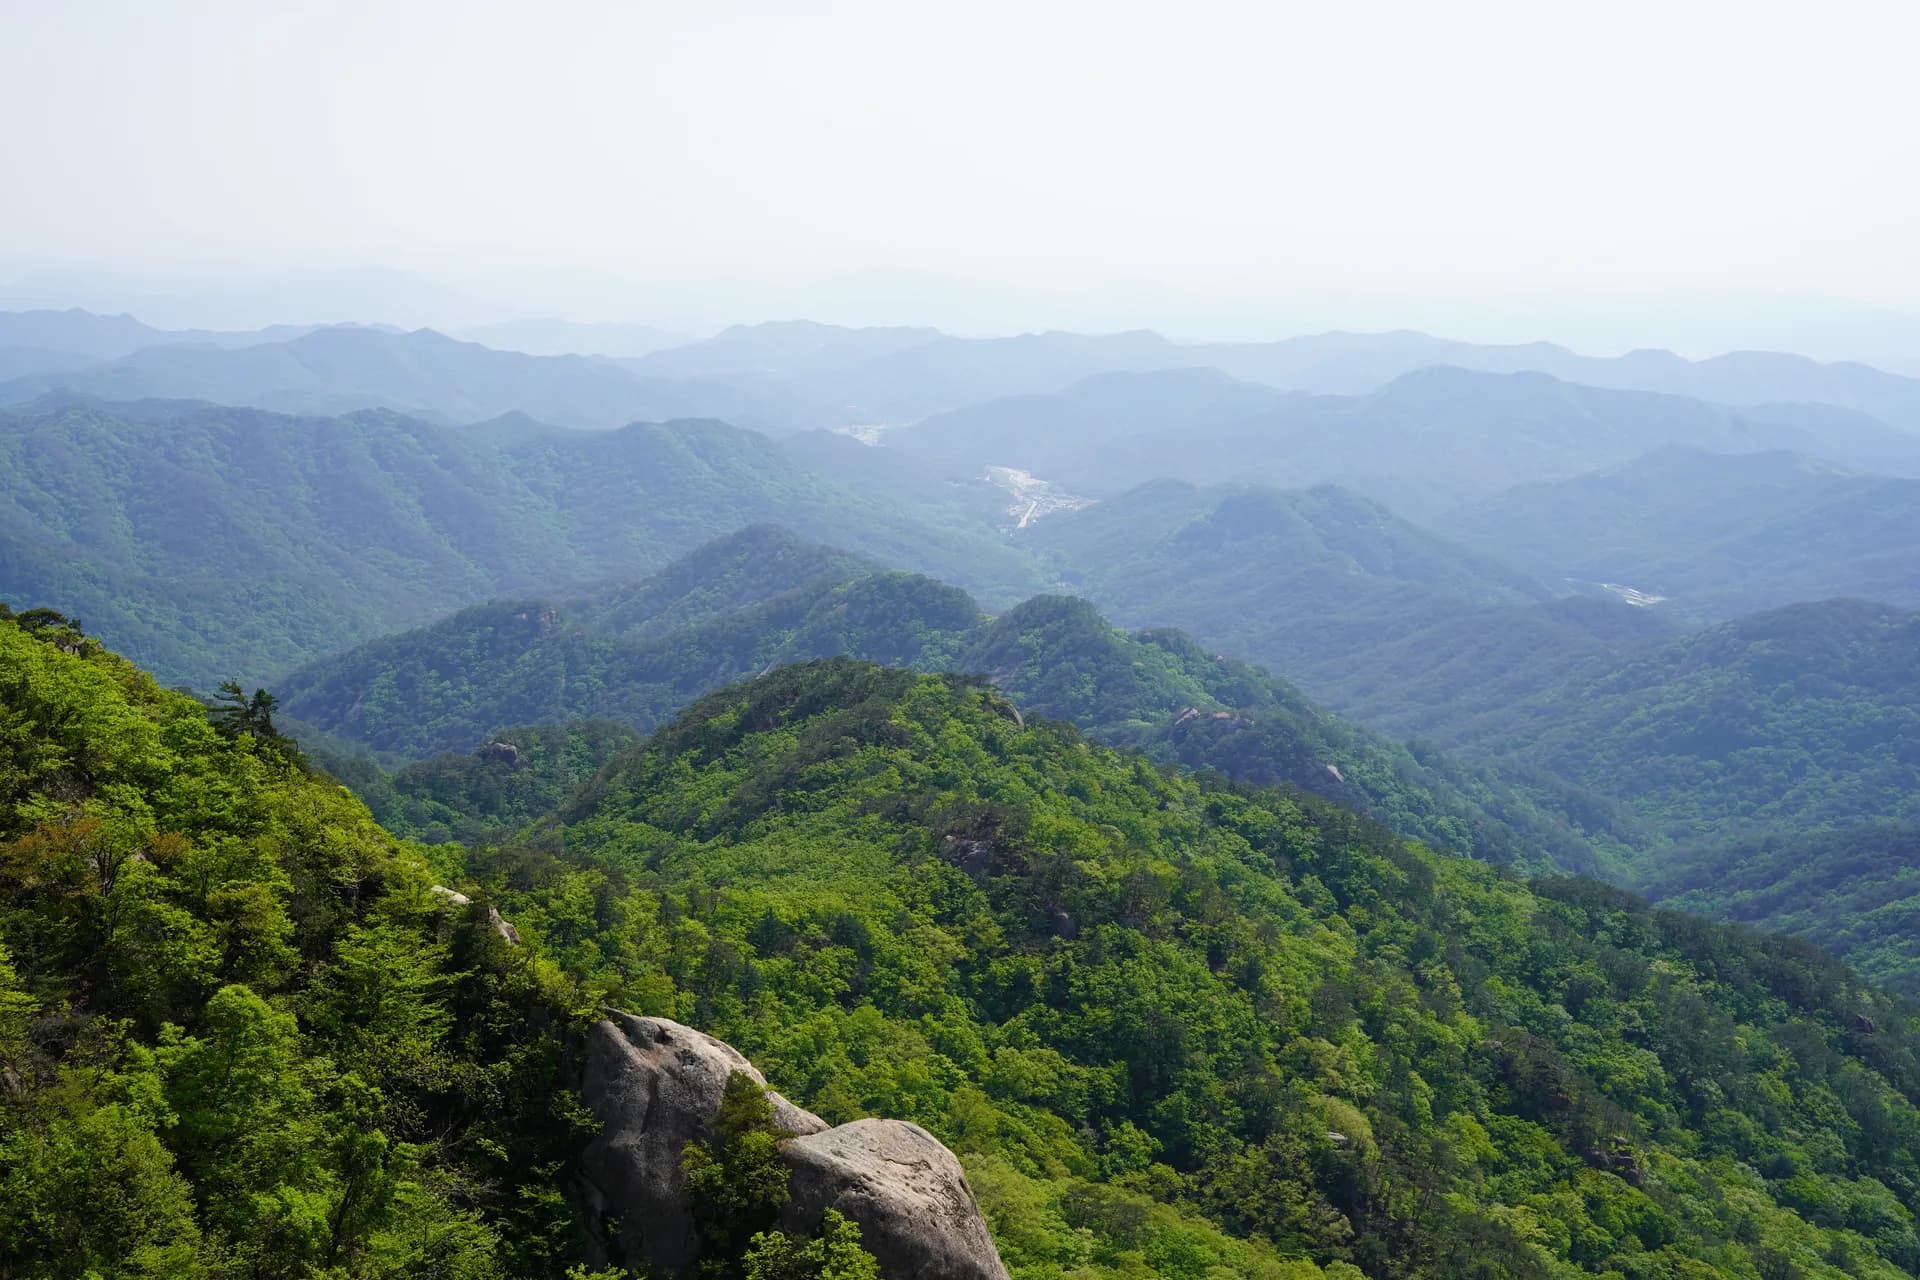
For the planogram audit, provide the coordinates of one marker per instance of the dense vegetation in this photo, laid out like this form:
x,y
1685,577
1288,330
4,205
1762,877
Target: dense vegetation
x,y
209,542
1791,721
519,773
1173,1026
1854,892
444,687
1182,1029
238,1036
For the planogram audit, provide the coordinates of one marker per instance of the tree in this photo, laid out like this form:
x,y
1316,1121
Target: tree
x,y
234,713
736,1178
17,1010
833,1253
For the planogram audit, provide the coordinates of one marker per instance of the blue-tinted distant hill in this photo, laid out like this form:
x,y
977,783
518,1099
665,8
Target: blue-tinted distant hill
x,y
902,374
1426,442
423,373
1716,535
795,375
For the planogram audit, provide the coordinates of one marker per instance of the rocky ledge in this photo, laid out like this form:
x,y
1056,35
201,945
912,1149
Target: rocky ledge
x,y
654,1086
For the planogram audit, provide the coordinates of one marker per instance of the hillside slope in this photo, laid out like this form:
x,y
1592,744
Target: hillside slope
x,y
446,687
1172,1027
1854,892
1793,720
1715,535
212,542
1286,578
239,1035
1121,994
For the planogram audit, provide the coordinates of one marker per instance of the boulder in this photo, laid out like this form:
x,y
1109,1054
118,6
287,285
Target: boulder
x,y
506,753
655,1085
917,1214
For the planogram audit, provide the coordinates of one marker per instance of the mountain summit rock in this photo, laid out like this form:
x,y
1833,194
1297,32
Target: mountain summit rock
x,y
656,1085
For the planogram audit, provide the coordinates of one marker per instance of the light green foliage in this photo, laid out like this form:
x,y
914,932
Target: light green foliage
x,y
1173,1026
1179,1028
833,1253
237,1035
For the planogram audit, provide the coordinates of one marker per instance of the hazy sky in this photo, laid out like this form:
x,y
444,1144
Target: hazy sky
x,y
1201,150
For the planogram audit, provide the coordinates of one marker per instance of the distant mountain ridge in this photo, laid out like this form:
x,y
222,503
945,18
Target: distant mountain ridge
x,y
795,375
1718,535
422,373
1430,440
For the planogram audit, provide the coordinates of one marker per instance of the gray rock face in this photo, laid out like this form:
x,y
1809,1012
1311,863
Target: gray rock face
x,y
654,1086
910,1196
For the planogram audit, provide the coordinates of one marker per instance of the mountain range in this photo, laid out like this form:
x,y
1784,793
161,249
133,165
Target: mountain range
x,y
1426,442
217,541
1713,535
796,375
751,601
1154,781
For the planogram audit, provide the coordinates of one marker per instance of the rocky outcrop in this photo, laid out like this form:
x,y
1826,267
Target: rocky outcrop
x,y
506,753
495,921
654,1086
910,1196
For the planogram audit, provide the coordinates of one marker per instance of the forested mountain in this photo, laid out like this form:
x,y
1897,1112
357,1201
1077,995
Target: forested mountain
x,y
1171,1027
215,541
1153,1013
341,369
1716,535
1423,443
1438,672
933,493
238,1034
519,773
1855,892
449,685
1791,721
1289,579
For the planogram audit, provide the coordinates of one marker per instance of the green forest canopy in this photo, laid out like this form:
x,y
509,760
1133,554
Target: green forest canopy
x,y
1173,1026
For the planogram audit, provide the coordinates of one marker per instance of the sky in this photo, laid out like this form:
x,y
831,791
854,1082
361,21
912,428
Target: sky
x,y
1221,165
